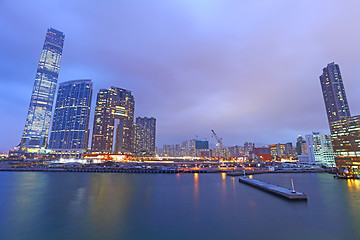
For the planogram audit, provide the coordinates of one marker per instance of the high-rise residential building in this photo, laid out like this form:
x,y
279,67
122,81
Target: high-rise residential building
x,y
70,126
184,148
192,149
320,149
249,149
39,114
145,132
336,103
113,105
234,151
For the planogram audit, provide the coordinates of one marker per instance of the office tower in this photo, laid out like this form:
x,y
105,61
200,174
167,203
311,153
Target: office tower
x,y
320,149
277,150
301,145
336,104
145,132
70,126
114,113
38,118
345,137
289,150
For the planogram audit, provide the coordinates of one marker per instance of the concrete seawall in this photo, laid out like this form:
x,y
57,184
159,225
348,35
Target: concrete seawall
x,y
277,190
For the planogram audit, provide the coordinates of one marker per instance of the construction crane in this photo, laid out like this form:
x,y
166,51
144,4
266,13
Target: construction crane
x,y
219,141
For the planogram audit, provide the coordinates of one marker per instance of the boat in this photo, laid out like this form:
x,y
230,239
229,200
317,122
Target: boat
x,y
346,176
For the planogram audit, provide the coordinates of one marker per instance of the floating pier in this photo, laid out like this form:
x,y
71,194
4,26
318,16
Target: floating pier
x,y
283,192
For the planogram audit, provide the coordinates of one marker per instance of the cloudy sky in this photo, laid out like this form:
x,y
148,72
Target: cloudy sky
x,y
247,69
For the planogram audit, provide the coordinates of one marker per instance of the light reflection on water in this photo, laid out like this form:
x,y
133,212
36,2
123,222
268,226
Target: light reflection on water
x,y
194,206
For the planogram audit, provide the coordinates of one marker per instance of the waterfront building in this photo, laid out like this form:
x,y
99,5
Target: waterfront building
x,y
184,148
320,149
192,150
336,103
263,154
114,105
34,137
345,136
145,132
304,159
70,126
277,150
169,150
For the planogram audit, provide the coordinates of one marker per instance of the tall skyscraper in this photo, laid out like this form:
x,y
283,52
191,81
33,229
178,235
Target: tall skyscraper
x,y
145,132
336,103
114,104
345,130
38,119
70,126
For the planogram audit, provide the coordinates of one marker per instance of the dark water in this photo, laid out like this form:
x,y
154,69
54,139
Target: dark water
x,y
182,206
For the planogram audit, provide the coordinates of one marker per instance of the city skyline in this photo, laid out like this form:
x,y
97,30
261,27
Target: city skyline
x,y
194,79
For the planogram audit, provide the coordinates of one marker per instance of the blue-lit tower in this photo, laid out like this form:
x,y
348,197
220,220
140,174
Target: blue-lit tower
x,y
145,133
38,119
70,126
336,103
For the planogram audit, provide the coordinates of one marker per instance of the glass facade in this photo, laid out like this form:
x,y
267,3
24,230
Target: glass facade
x,y
345,137
145,132
334,93
70,126
111,105
320,149
42,98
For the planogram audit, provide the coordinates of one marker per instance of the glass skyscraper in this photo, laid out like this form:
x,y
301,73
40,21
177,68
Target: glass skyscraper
x,y
336,103
70,125
38,119
114,104
145,132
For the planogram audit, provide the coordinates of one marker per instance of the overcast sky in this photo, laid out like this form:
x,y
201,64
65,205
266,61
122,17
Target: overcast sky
x,y
247,69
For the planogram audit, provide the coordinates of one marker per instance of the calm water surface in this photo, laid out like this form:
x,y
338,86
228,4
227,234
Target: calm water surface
x,y
174,206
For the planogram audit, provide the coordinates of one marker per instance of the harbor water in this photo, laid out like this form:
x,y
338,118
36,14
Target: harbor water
x,y
45,205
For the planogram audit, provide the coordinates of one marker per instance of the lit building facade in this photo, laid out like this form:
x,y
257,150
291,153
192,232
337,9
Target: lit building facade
x,y
70,127
263,154
39,114
301,147
345,136
145,134
336,103
249,149
277,150
320,149
113,105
